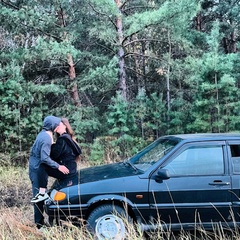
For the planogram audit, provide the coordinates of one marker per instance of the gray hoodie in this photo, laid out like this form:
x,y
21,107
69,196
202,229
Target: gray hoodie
x,y
40,151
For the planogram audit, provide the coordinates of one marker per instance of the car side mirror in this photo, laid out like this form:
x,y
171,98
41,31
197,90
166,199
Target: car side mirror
x,y
163,174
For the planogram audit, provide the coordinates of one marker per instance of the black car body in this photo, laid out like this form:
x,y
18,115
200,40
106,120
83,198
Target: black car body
x,y
178,181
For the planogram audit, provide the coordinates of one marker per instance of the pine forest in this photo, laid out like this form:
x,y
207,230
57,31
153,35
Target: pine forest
x,y
124,72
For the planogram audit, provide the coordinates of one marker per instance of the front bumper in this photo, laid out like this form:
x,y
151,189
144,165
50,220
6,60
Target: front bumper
x,y
56,210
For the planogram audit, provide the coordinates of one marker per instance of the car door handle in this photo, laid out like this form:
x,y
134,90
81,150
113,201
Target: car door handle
x,y
219,183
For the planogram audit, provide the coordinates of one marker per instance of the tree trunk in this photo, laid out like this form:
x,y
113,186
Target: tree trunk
x,y
199,22
233,48
121,53
72,77
71,70
168,74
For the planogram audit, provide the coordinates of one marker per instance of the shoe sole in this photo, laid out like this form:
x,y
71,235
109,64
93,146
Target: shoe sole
x,y
36,201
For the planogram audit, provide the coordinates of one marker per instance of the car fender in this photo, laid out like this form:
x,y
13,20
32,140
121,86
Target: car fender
x,y
110,197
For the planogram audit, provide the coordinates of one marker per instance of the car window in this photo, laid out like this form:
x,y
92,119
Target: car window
x,y
198,160
153,153
235,157
156,153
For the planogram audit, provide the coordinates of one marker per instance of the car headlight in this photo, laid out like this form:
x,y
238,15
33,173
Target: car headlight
x,y
58,195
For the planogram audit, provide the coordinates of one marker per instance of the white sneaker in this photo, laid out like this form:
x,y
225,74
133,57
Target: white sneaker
x,y
39,197
43,230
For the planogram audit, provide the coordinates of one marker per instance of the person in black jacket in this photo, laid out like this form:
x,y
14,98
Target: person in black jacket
x,y
65,151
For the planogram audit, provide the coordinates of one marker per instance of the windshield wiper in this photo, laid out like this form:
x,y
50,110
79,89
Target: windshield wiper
x,y
127,162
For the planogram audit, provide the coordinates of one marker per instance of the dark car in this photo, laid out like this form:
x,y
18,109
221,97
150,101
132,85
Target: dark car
x,y
177,182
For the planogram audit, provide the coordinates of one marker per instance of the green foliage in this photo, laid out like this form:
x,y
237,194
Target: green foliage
x,y
101,78
180,59
121,124
216,88
140,110
105,150
157,116
120,116
56,51
97,153
85,122
167,14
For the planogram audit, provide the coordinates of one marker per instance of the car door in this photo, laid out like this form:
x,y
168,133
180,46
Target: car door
x,y
198,190
234,153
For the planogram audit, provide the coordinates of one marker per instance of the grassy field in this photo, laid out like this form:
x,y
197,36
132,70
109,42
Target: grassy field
x,y
16,216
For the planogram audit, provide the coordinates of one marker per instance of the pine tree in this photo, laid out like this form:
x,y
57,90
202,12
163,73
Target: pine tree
x,y
215,86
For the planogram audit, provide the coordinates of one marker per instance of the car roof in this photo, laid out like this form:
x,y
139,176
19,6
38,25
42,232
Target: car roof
x,y
208,136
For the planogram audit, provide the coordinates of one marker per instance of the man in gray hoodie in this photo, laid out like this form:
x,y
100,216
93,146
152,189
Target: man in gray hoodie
x,y
40,153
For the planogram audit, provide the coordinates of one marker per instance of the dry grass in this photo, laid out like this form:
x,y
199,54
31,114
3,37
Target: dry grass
x,y
16,221
15,225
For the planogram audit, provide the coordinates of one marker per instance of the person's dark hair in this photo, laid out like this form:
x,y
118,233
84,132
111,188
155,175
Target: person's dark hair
x,y
71,133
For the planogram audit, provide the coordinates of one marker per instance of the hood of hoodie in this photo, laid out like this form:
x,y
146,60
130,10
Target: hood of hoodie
x,y
51,122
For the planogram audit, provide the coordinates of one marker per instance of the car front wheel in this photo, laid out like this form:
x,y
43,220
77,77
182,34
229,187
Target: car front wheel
x,y
108,222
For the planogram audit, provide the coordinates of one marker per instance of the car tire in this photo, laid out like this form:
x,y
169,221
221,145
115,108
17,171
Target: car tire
x,y
108,222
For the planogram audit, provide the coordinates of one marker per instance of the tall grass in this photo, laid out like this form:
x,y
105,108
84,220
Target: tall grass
x,y
15,225
16,217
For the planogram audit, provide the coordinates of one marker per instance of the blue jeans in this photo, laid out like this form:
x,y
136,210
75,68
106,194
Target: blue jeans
x,y
44,171
38,207
39,178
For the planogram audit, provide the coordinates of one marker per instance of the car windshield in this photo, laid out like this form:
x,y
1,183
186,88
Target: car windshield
x,y
153,153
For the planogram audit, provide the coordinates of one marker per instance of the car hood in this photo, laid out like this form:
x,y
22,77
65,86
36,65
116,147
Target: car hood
x,y
97,173
108,171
